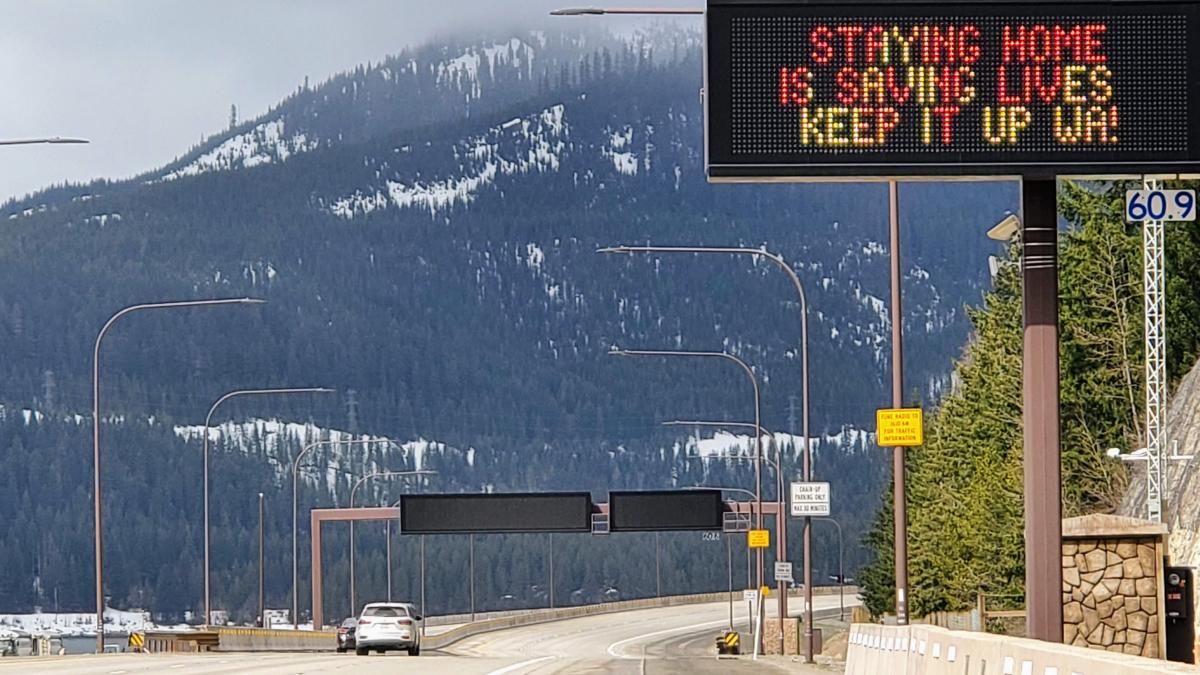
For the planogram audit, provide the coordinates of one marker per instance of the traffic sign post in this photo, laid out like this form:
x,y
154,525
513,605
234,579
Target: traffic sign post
x,y
810,499
758,538
899,427
783,572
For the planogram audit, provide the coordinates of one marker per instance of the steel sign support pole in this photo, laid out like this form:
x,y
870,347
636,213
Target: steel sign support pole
x,y
899,495
1156,358
1043,480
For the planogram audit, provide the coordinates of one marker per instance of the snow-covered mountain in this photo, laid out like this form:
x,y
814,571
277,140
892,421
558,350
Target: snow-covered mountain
x,y
424,230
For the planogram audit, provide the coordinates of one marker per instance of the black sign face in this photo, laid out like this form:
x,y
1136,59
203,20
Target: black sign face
x,y
491,513
665,510
878,89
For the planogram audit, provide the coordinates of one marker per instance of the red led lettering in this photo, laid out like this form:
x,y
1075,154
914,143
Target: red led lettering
x,y
1012,47
849,33
969,50
1003,95
876,44
794,87
1047,92
847,80
947,113
898,90
1067,43
1090,43
1040,44
822,50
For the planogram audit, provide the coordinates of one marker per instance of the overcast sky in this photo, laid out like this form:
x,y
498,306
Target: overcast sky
x,y
145,79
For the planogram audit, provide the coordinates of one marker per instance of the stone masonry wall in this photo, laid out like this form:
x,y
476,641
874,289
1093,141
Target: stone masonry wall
x,y
1110,591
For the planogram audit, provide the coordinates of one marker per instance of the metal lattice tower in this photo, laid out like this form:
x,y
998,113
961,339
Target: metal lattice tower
x,y
1156,359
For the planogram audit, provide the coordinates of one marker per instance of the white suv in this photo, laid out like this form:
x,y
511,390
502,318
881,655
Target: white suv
x,y
388,625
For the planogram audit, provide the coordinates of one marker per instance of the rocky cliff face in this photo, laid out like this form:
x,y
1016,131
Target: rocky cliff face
x,y
1181,481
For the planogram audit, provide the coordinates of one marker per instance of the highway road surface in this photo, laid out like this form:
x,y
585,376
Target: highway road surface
x,y
645,642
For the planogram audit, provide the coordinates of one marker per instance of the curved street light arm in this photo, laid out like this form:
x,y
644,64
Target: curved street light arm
x,y
97,515
208,425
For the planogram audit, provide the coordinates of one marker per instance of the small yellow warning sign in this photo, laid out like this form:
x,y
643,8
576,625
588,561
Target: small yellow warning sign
x,y
899,427
758,538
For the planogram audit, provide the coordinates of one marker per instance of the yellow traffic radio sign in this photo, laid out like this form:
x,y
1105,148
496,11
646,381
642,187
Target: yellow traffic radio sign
x,y
758,538
899,427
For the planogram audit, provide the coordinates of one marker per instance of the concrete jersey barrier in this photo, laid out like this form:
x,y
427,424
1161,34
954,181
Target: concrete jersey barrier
x,y
530,617
929,650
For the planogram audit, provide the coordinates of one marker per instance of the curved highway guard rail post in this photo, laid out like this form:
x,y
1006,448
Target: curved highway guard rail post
x,y
929,650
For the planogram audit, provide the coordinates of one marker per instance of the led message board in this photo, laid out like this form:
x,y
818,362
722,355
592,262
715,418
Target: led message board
x,y
484,513
665,510
876,89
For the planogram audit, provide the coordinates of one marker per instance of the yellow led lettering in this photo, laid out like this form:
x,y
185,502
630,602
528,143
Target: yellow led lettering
x,y
835,126
967,94
1102,90
926,126
1096,123
1072,81
810,126
872,86
905,43
1068,124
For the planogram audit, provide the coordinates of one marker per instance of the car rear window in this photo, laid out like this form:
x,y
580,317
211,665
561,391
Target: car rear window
x,y
386,611
350,623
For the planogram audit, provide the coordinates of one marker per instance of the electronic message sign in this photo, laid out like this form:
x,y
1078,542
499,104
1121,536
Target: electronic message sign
x,y
483,513
665,510
810,90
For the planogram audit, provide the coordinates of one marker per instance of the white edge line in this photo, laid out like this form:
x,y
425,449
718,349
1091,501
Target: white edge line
x,y
517,666
615,647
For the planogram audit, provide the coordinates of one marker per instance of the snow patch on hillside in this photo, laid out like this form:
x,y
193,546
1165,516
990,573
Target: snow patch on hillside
x,y
339,452
264,144
69,624
532,144
463,70
726,445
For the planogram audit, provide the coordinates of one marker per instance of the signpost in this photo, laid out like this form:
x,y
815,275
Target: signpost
x,y
783,572
758,538
810,499
899,427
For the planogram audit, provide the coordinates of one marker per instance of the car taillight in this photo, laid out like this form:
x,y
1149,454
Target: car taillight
x,y
364,622
405,622
343,630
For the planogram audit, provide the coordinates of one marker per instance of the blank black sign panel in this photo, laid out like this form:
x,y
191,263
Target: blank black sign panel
x,y
665,510
484,513
877,89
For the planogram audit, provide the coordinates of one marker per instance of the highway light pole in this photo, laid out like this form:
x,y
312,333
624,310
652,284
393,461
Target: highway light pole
x,y
296,511
841,570
757,423
261,597
207,426
728,547
96,489
353,490
598,11
782,264
50,140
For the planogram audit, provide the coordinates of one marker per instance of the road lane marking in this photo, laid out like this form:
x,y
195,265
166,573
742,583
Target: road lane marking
x,y
517,666
615,647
